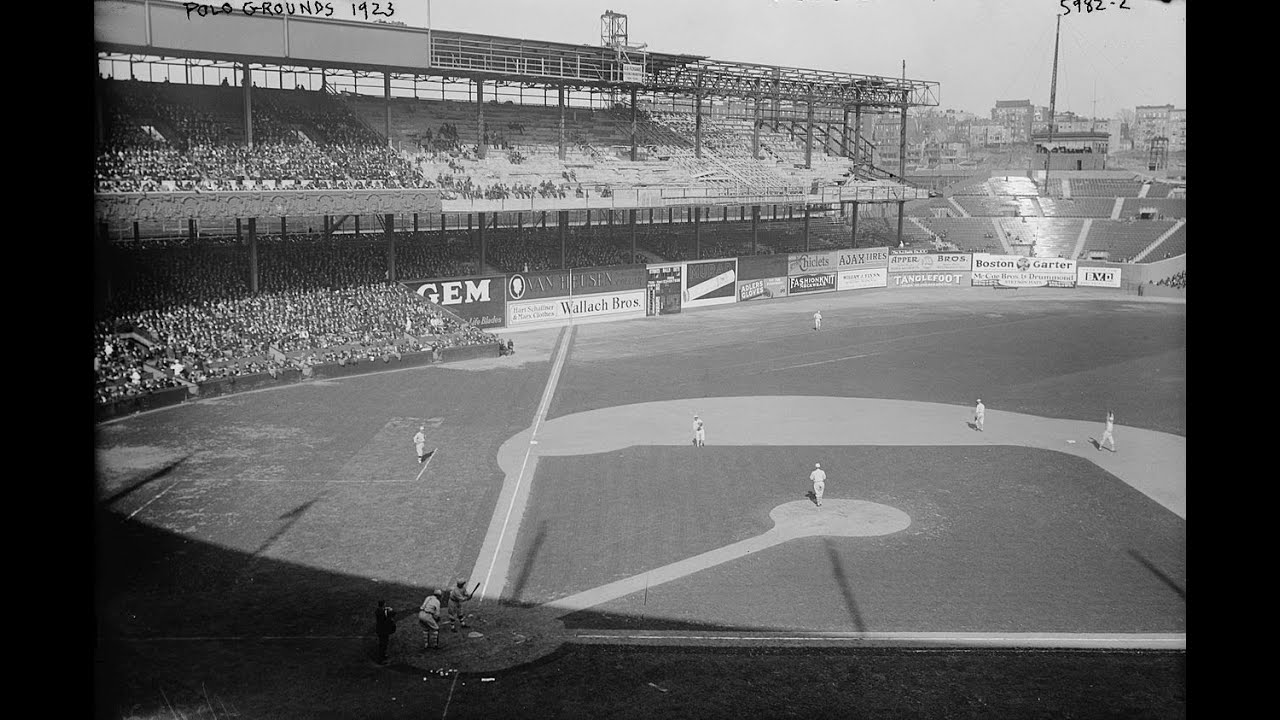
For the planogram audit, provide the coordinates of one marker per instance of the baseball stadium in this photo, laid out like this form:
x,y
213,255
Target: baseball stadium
x,y
553,261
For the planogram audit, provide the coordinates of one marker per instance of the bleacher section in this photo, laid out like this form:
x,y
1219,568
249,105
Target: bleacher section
x,y
980,206
1090,187
1013,185
1053,237
968,234
933,207
1077,207
1165,207
1174,245
1124,239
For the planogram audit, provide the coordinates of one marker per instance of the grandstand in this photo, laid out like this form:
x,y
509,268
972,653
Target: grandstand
x,y
223,189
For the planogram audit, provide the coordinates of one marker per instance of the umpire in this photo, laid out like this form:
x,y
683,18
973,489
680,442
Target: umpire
x,y
384,619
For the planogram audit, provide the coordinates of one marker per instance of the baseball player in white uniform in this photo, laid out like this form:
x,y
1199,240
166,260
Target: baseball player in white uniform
x,y
817,320
819,479
1106,433
699,435
979,414
420,442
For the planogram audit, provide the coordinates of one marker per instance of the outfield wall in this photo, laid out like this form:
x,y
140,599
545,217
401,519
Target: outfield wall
x,y
666,288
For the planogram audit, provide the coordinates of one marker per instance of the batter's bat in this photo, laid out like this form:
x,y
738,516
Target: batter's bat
x,y
473,590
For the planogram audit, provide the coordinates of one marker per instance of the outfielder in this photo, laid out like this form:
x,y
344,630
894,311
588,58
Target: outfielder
x,y
979,414
1106,433
699,435
817,320
819,479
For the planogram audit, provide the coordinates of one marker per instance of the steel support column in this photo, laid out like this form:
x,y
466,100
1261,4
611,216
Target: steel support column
x,y
561,93
388,232
808,141
564,239
634,112
386,99
901,205
853,232
631,222
480,143
806,227
248,107
253,255
755,229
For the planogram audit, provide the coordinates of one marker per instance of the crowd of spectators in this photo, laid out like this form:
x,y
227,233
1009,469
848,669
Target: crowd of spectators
x,y
267,333
1178,281
539,249
158,167
303,141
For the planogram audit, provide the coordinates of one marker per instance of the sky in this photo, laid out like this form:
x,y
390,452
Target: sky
x,y
979,51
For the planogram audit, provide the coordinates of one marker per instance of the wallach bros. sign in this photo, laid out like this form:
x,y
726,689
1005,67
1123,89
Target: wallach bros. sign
x,y
1021,271
621,304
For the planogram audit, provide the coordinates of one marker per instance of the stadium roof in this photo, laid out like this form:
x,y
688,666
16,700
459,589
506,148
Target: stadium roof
x,y
165,29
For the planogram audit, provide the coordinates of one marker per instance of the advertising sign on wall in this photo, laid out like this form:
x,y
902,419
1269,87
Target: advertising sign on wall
x,y
762,289
862,258
930,279
479,300
1020,271
1098,277
591,281
710,282
861,279
930,262
755,267
813,283
811,262
534,285
616,306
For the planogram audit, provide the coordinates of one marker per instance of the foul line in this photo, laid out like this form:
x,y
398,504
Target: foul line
x,y
1170,641
157,497
449,699
824,362
543,406
425,464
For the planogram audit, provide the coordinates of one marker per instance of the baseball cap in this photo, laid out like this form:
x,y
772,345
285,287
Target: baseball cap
x,y
818,465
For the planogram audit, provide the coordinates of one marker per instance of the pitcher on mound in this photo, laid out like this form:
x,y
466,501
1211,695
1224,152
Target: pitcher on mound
x,y
819,479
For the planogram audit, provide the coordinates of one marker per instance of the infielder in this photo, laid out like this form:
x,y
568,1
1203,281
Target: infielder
x,y
699,435
979,414
1106,433
817,320
819,479
420,442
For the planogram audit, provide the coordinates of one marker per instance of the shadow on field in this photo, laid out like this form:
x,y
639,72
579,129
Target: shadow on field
x,y
144,481
1182,593
526,567
837,569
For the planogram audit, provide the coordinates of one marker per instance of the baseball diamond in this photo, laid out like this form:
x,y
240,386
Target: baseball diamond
x,y
476,367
